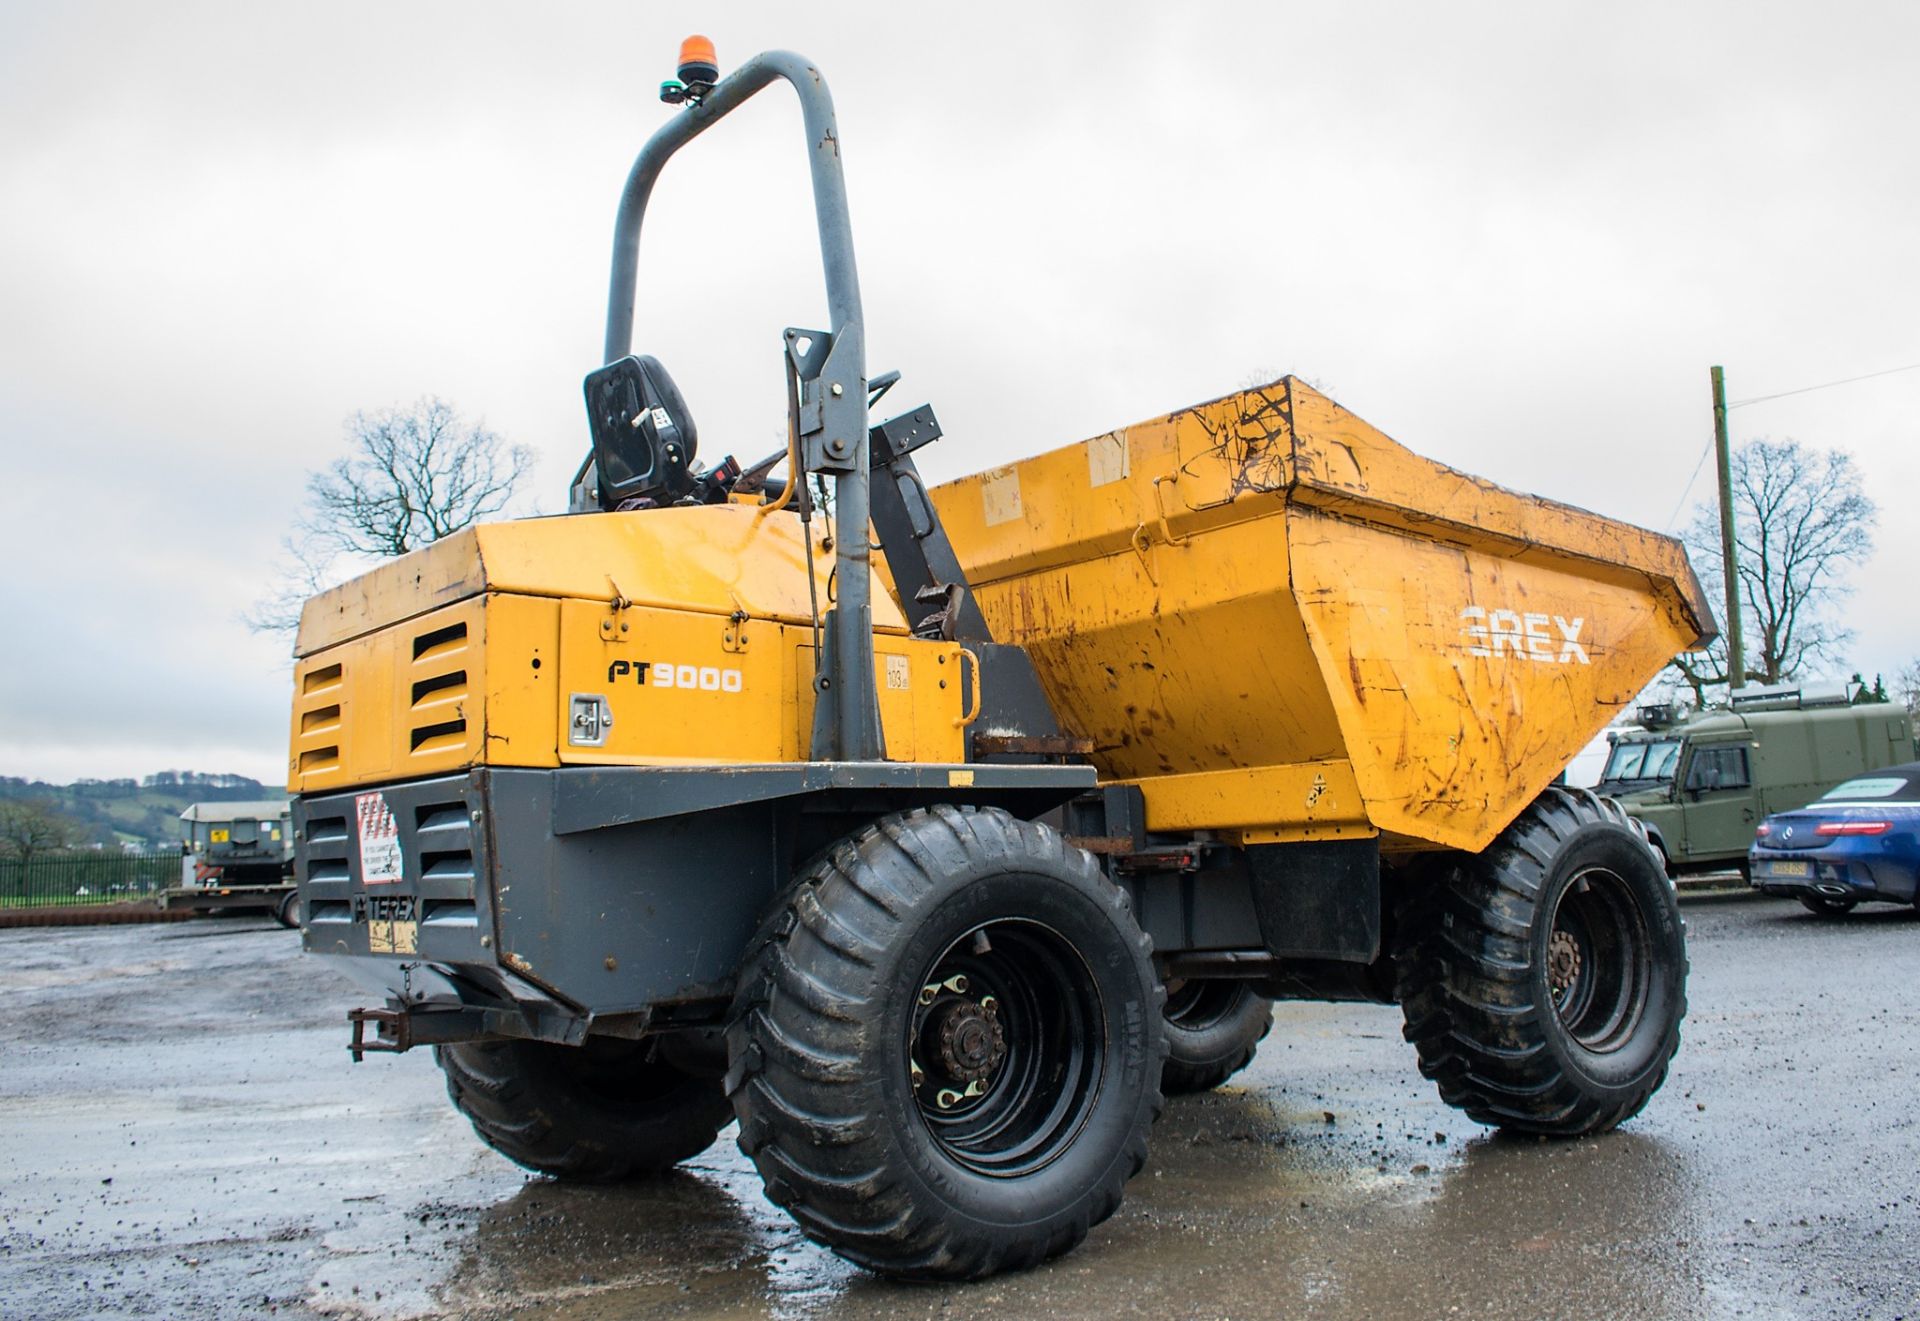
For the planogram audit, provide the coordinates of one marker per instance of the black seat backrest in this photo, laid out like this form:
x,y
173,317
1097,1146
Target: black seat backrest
x,y
643,437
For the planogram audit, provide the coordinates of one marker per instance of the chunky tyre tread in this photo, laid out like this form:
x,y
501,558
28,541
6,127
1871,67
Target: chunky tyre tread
x,y
806,1120
1189,1071
1464,977
493,1090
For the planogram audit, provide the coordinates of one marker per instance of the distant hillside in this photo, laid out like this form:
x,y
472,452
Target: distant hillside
x,y
145,812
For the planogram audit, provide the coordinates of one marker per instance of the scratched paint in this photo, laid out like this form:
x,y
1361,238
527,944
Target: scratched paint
x,y
1274,586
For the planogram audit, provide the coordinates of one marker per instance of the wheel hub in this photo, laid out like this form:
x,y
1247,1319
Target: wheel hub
x,y
1563,963
971,1040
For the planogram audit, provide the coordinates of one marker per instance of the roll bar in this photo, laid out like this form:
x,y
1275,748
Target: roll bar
x,y
833,399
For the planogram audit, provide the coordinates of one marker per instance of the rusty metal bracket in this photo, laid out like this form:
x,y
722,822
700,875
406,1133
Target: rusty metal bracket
x,y
1106,846
394,1023
1033,745
1177,859
615,627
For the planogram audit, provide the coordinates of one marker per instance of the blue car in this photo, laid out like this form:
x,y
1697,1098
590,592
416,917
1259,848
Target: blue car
x,y
1860,843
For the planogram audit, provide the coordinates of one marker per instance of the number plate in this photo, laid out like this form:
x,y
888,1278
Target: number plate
x,y
1801,869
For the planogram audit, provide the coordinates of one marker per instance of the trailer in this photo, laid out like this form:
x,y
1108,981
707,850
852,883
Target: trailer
x,y
237,856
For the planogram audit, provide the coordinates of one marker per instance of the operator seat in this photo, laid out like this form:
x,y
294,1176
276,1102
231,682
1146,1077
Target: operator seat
x,y
643,437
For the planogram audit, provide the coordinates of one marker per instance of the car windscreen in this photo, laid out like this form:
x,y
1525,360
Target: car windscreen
x,y
1887,787
1643,761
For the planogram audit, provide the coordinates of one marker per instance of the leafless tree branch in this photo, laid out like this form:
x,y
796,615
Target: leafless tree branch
x,y
1801,520
410,477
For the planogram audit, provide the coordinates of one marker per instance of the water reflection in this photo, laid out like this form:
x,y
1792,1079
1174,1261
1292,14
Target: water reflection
x,y
1250,1208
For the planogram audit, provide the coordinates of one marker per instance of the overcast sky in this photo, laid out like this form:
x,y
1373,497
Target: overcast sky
x,y
1512,236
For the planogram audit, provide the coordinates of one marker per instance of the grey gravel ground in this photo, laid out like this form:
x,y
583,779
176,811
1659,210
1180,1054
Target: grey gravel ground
x,y
184,1137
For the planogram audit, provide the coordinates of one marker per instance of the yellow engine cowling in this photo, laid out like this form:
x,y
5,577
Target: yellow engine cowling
x,y
690,628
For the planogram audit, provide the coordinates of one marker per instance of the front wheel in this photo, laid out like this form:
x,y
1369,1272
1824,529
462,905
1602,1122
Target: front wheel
x,y
1543,980
946,1046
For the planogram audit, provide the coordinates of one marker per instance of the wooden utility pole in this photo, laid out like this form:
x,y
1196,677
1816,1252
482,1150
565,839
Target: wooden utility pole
x,y
1736,654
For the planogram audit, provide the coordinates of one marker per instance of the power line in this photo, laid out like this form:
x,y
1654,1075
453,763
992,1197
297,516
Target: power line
x,y
1687,490
1809,389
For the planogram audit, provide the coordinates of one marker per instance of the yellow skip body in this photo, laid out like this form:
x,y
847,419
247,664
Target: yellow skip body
x,y
1284,625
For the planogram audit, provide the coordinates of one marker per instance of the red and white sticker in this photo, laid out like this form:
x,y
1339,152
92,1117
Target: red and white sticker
x,y
380,857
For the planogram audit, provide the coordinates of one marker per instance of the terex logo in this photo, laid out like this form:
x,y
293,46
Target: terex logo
x,y
1495,632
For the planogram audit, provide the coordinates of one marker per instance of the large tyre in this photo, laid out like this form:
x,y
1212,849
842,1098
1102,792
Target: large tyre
x,y
946,1046
1213,1027
598,1113
1543,981
287,911
1823,906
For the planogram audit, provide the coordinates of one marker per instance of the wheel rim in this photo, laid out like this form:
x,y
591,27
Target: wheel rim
x,y
1006,1047
1199,1003
1599,960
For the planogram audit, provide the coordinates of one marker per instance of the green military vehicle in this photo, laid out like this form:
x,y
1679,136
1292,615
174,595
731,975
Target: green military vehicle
x,y
1701,781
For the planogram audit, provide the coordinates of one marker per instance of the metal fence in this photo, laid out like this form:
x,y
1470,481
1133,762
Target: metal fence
x,y
93,877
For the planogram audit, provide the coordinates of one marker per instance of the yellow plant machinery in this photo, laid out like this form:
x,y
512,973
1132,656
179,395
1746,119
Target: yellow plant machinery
x,y
937,836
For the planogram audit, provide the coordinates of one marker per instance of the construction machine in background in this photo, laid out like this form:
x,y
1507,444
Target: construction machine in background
x,y
237,856
934,863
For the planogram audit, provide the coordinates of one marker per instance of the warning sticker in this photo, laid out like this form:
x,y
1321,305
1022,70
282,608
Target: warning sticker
x,y
380,860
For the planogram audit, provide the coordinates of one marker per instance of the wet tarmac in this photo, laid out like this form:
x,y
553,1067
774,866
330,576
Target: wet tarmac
x,y
184,1136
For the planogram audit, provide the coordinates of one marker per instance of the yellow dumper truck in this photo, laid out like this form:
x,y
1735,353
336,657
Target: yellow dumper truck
x,y
933,839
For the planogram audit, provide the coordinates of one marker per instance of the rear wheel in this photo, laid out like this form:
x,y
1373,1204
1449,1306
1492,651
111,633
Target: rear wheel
x,y
1543,981
598,1113
1824,906
1213,1027
287,911
946,1046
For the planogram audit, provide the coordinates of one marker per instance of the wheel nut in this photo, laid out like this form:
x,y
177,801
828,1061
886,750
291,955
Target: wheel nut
x,y
947,1098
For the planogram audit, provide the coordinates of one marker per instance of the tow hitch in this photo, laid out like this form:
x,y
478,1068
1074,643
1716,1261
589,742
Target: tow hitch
x,y
393,1031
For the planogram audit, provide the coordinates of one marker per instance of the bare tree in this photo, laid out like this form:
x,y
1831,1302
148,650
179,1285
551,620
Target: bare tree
x,y
1906,687
410,477
28,828
1801,520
